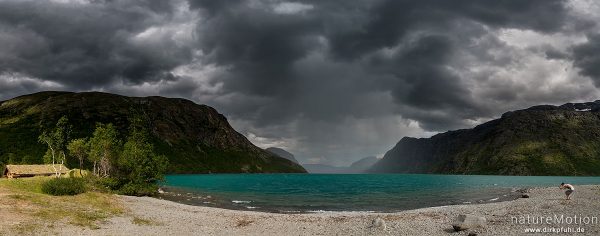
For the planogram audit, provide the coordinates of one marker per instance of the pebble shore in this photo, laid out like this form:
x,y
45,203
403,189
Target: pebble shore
x,y
161,217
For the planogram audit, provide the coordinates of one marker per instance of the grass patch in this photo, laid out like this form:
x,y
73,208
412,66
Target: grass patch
x,y
19,197
29,185
86,209
141,221
10,120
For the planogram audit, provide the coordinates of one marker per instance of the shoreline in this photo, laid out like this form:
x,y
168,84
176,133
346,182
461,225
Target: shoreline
x,y
172,218
192,198
514,195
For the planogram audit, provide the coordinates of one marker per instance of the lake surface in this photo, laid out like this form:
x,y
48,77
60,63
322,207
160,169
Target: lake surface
x,y
351,192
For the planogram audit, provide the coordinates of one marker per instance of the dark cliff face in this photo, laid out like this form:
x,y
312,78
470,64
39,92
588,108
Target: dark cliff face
x,y
195,138
541,140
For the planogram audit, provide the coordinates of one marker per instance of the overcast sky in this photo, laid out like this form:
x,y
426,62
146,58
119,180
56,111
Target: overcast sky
x,y
331,81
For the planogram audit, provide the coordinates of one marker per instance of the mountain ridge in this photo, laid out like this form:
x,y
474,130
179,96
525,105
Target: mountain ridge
x,y
195,138
540,140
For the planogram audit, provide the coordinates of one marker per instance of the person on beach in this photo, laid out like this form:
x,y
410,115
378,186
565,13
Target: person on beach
x,y
570,189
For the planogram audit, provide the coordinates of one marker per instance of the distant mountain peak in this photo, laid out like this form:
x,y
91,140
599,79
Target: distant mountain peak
x,y
364,163
359,166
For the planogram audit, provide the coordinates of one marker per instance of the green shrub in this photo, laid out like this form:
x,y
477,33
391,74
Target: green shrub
x,y
104,185
110,183
139,189
64,186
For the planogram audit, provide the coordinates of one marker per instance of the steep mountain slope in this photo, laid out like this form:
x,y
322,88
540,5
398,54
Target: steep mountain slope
x,y
541,140
363,164
195,138
282,153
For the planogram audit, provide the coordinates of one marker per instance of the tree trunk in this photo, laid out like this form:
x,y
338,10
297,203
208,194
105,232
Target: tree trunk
x,y
53,165
80,166
62,162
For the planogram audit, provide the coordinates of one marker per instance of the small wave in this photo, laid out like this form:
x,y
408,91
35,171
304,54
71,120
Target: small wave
x,y
240,201
290,211
251,207
494,199
319,211
466,202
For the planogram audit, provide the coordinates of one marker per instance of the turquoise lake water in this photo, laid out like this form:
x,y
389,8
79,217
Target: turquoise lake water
x,y
351,192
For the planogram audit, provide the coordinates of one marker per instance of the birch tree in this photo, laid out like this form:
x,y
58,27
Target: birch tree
x,y
56,139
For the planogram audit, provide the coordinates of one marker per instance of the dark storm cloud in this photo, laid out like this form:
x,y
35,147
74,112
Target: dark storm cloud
x,y
88,45
334,77
587,57
390,20
261,48
552,53
421,81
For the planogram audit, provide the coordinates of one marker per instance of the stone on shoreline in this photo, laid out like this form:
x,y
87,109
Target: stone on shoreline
x,y
522,190
525,195
464,222
379,223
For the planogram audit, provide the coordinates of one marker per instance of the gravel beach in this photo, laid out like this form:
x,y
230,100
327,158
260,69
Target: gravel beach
x,y
151,216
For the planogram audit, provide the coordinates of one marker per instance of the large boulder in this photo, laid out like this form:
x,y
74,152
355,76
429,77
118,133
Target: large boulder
x,y
464,222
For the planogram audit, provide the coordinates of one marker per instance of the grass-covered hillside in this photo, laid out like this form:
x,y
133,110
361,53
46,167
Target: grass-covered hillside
x,y
542,140
195,138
